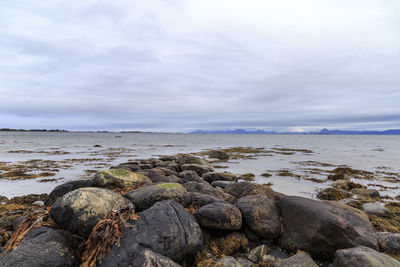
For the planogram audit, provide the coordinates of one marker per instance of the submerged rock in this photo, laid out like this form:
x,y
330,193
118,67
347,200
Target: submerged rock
x,y
261,215
218,154
321,228
145,197
219,216
119,178
80,210
165,228
42,247
363,257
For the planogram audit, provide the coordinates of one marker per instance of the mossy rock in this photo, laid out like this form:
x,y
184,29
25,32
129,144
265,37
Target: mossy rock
x,y
120,178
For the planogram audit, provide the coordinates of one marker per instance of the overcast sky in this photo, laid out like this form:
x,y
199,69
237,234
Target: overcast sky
x,y
176,65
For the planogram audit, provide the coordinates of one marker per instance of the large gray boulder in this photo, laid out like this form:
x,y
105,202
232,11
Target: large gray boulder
x,y
242,189
207,189
261,215
64,188
363,257
301,259
199,169
389,242
145,197
119,178
322,227
190,176
80,210
165,228
42,247
219,216
222,176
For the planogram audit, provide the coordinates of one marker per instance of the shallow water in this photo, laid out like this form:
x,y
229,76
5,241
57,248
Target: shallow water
x,y
370,153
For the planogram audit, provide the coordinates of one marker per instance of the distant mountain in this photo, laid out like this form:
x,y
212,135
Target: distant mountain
x,y
323,131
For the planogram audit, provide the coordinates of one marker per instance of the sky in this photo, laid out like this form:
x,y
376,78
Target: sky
x,y
182,65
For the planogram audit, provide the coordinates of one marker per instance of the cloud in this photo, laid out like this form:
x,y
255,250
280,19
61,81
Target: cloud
x,y
181,65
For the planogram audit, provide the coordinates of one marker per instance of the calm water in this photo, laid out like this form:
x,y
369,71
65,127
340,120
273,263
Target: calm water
x,y
371,153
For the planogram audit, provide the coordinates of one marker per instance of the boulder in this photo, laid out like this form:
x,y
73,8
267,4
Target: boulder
x,y
244,262
374,208
119,178
199,199
80,210
257,253
228,262
145,197
64,188
148,258
130,166
207,189
187,159
363,257
222,176
219,216
389,242
221,184
165,228
218,154
301,259
261,215
155,175
190,176
365,192
322,227
42,247
242,189
199,169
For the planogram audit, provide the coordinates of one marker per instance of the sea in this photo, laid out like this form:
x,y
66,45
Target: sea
x,y
78,155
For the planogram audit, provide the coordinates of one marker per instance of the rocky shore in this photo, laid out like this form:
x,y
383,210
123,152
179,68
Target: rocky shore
x,y
180,211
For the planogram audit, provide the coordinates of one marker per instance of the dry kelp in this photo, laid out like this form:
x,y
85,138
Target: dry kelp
x,y
105,234
32,221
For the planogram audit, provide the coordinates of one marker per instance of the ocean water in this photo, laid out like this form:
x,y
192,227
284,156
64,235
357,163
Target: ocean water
x,y
378,154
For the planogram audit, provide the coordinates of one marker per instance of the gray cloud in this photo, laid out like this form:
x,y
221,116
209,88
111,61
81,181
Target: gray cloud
x,y
182,65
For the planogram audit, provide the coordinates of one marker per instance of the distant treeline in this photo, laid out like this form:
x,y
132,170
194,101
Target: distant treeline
x,y
30,130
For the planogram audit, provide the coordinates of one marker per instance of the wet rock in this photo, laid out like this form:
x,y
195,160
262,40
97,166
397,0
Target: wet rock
x,y
219,216
199,199
221,184
165,228
223,176
257,253
155,175
244,262
42,247
227,262
363,257
119,178
320,228
374,208
207,189
187,159
331,194
346,185
190,176
301,259
261,215
39,203
145,197
80,210
218,154
148,258
130,166
365,192
242,189
199,169
389,242
64,188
